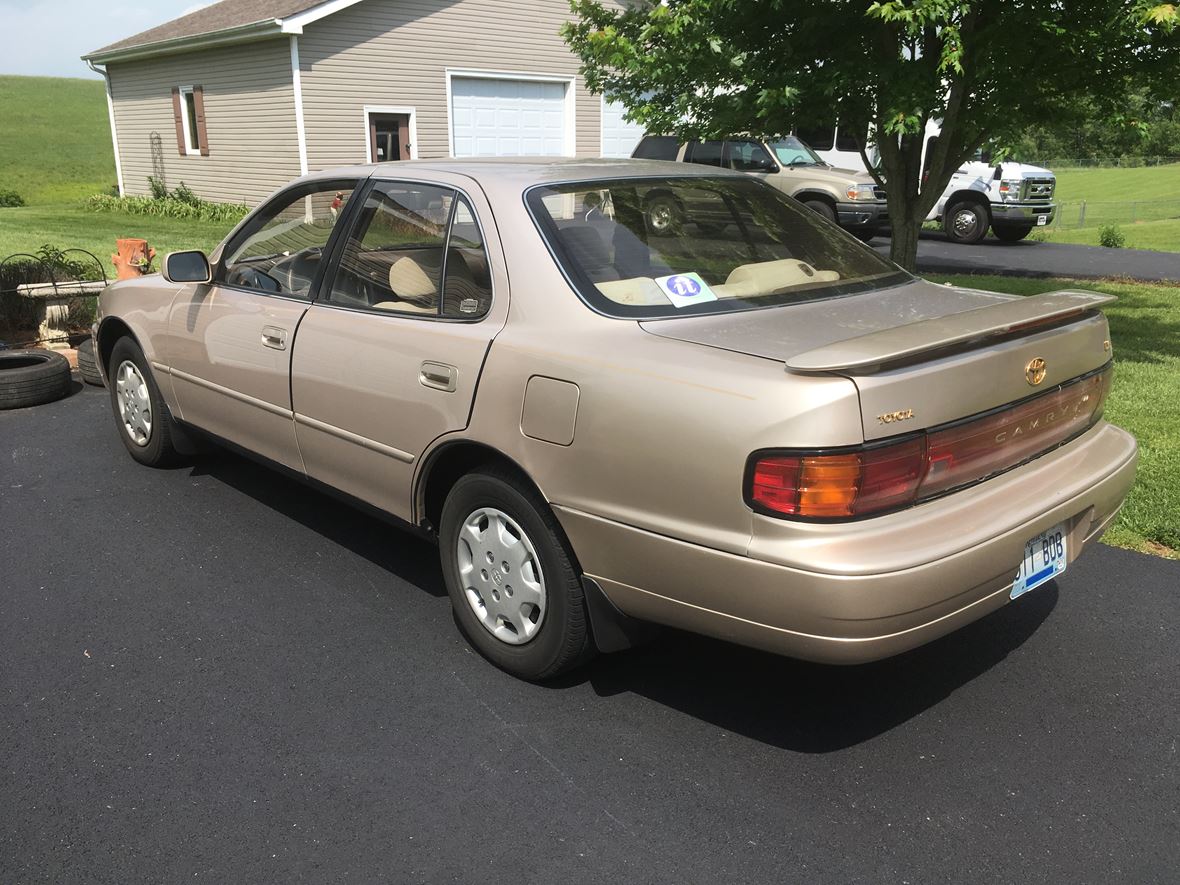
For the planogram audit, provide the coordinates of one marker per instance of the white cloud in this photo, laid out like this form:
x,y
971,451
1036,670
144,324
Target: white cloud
x,y
47,37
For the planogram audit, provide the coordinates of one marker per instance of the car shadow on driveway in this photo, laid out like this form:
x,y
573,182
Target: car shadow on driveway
x,y
385,544
813,708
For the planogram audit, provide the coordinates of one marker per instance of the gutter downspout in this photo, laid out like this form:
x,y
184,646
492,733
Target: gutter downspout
x,y
297,88
111,115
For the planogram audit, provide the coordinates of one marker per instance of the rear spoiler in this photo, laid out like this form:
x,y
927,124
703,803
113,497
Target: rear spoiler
x,y
901,343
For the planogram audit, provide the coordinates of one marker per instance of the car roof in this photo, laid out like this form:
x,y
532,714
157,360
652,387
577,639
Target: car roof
x,y
524,172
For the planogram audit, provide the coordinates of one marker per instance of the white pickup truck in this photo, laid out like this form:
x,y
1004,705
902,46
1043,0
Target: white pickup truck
x,y
1010,198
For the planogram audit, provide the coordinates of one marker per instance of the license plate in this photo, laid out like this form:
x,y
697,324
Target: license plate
x,y
1044,559
1042,220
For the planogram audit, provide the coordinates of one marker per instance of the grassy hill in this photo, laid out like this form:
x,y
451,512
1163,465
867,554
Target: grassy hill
x,y
1119,185
55,139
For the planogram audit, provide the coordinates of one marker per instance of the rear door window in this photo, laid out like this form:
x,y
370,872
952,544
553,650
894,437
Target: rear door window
x,y
415,249
704,153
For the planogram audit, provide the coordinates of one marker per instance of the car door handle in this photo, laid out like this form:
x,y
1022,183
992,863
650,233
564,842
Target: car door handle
x,y
439,376
272,336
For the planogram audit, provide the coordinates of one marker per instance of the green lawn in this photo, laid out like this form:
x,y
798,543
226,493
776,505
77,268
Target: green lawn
x,y
1162,236
29,228
1118,185
55,139
1145,329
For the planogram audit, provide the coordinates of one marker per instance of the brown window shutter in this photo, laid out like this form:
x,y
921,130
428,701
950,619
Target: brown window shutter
x,y
176,112
199,106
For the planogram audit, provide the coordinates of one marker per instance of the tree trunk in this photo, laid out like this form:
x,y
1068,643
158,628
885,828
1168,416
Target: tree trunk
x,y
903,246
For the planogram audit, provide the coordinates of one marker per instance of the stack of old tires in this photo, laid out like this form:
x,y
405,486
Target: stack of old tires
x,y
88,363
32,377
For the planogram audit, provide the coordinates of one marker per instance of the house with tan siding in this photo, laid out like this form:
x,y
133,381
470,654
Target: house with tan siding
x,y
239,97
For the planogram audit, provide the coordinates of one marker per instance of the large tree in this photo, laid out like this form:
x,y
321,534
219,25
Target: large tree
x,y
984,68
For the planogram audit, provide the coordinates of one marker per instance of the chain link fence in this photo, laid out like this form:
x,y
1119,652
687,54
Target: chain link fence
x,y
1095,213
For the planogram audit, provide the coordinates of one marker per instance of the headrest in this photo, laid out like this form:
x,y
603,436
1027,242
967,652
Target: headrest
x,y
586,246
408,280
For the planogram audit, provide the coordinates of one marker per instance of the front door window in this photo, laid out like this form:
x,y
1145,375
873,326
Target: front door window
x,y
280,252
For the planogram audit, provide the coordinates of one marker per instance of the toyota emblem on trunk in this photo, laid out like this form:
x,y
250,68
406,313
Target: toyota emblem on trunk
x,y
1034,372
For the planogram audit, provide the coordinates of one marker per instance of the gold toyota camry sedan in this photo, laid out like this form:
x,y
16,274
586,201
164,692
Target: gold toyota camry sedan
x,y
746,424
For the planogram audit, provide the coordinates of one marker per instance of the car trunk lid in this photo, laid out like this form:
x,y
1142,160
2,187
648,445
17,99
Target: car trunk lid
x,y
921,355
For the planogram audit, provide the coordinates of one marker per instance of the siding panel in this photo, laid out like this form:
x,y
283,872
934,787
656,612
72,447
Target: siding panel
x,y
396,52
250,118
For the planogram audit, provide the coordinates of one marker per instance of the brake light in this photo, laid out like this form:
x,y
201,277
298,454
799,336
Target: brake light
x,y
876,478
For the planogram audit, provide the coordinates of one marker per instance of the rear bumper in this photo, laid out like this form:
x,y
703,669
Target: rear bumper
x,y
1021,214
862,591
862,216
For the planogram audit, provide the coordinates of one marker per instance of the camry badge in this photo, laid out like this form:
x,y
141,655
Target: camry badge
x,y
1034,372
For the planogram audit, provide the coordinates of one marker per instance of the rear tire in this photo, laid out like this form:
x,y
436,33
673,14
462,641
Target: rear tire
x,y
664,215
144,423
1011,234
966,223
32,377
538,628
88,363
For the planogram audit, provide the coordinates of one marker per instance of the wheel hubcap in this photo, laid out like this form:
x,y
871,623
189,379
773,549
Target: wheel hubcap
x,y
965,223
661,217
135,405
501,575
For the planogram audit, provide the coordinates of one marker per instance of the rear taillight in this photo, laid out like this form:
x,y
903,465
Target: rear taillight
x,y
879,477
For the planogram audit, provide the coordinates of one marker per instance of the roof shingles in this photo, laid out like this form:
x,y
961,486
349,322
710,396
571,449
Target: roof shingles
x,y
218,17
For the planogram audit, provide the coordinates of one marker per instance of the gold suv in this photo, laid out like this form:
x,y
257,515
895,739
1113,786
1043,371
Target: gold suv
x,y
748,425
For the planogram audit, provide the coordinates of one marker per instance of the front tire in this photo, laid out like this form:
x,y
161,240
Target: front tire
x,y
966,223
514,586
1011,234
141,415
819,207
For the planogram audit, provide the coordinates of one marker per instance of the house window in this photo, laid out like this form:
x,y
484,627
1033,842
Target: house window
x,y
188,109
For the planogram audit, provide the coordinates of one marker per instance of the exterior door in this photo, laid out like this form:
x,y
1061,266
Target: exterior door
x,y
389,137
388,358
230,342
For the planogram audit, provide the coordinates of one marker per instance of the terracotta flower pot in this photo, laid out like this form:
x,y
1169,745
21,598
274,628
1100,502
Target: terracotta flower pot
x,y
133,258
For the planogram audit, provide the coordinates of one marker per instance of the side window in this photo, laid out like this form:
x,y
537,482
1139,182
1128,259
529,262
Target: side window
x,y
657,147
393,259
706,153
748,156
281,250
818,139
467,285
846,139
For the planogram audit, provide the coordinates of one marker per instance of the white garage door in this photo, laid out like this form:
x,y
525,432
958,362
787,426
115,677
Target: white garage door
x,y
618,136
508,118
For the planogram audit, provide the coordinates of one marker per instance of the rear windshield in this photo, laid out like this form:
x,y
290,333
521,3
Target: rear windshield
x,y
671,246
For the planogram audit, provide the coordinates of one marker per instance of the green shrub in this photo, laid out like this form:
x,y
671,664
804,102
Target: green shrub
x,y
168,207
185,195
1110,236
11,198
158,188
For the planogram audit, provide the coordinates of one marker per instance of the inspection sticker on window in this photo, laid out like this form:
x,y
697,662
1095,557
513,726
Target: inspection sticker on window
x,y
686,289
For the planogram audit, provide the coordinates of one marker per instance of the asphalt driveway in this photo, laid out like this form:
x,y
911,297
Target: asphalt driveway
x,y
937,254
215,674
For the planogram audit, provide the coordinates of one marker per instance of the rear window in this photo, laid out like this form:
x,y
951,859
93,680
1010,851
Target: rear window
x,y
673,246
657,147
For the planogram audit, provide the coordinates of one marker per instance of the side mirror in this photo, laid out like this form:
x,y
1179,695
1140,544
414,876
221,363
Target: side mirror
x,y
187,267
